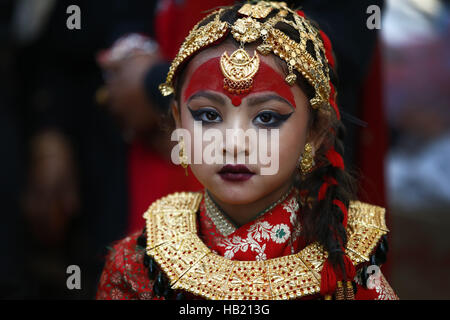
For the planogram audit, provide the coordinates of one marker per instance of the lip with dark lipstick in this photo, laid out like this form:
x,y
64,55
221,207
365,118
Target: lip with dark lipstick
x,y
235,172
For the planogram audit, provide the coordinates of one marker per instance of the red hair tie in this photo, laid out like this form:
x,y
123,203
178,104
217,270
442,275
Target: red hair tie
x,y
323,188
301,13
332,101
335,159
343,208
328,48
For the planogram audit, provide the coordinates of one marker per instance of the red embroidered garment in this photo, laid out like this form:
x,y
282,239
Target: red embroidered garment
x,y
274,234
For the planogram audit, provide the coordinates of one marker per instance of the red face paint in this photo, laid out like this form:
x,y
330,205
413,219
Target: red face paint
x,y
209,77
236,101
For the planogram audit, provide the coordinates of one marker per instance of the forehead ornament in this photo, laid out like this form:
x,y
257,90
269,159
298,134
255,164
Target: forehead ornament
x,y
239,70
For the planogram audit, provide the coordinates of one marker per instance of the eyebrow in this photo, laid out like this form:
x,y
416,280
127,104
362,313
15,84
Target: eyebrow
x,y
264,98
208,95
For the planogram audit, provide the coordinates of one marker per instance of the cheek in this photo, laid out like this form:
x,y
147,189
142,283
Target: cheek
x,y
293,137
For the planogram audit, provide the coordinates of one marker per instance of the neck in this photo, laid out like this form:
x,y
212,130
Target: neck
x,y
244,213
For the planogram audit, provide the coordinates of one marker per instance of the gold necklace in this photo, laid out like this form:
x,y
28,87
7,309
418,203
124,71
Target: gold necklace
x,y
220,219
173,242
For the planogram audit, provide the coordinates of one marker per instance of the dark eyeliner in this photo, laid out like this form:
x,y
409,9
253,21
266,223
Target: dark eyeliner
x,y
197,114
279,119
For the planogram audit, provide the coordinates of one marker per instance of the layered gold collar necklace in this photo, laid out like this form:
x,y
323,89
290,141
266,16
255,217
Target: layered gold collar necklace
x,y
174,244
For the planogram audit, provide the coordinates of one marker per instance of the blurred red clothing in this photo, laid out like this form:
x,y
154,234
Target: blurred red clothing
x,y
150,177
175,19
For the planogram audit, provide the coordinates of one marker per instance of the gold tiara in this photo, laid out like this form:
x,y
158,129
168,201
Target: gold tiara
x,y
307,57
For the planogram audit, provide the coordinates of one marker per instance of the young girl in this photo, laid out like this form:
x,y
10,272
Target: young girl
x,y
291,232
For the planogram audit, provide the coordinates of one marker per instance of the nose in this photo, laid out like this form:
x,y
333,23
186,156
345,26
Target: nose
x,y
236,145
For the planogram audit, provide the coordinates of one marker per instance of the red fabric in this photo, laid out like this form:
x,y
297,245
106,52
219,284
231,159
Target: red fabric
x,y
332,101
151,177
175,19
124,276
328,48
350,271
373,142
328,279
275,234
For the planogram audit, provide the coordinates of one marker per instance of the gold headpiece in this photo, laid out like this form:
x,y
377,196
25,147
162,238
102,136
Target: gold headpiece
x,y
239,68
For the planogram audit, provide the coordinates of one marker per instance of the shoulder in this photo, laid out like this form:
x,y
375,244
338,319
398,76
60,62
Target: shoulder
x,y
361,213
367,248
124,275
366,227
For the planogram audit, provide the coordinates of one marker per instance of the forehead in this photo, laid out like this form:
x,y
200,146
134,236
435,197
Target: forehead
x,y
203,73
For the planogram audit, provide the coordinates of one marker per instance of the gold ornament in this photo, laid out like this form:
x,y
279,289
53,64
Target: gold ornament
x,y
246,30
198,38
257,11
339,293
174,243
311,63
307,160
183,156
239,69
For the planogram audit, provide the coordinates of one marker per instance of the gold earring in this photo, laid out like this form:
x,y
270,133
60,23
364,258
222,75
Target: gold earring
x,y
307,159
183,156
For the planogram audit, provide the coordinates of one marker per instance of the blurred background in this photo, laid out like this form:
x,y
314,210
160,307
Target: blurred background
x,y
84,133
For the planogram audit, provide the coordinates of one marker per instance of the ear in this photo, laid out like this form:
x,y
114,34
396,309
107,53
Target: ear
x,y
176,113
316,138
318,132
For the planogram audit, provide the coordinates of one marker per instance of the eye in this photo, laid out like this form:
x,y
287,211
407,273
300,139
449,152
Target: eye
x,y
270,119
206,115
265,117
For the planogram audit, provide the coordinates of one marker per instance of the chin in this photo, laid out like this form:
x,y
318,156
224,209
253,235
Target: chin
x,y
232,192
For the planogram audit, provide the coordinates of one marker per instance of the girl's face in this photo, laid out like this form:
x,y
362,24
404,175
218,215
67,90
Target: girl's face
x,y
271,104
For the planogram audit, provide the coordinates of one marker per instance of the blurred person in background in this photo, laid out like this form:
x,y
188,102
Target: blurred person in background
x,y
417,67
75,202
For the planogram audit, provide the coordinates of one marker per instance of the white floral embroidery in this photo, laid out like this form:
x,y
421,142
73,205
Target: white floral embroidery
x,y
292,207
260,230
257,233
280,233
116,294
263,231
384,290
